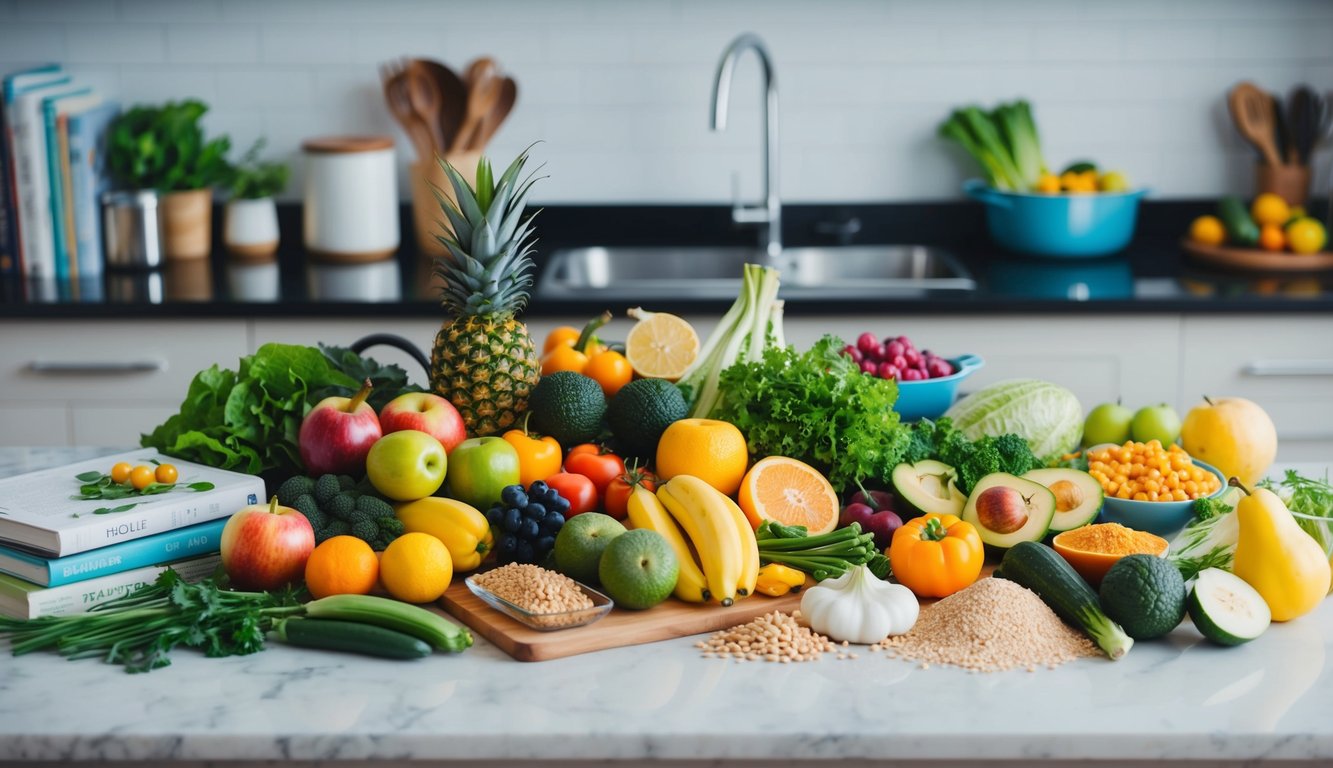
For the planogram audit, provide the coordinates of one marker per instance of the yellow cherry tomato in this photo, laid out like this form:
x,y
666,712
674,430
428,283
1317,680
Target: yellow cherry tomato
x,y
166,474
121,472
142,476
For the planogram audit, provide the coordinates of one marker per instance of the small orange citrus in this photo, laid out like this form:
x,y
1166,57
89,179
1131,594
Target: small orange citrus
x,y
416,568
341,565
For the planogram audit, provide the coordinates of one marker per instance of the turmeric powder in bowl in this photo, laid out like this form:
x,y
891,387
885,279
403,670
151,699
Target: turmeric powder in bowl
x,y
1093,549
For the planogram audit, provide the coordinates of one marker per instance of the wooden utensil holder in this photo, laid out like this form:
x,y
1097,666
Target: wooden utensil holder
x,y
1290,182
427,217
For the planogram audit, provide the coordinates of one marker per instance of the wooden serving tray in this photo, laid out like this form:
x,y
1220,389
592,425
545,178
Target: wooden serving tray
x,y
1256,260
621,627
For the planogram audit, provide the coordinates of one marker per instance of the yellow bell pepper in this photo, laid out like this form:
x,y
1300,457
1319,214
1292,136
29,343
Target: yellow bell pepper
x,y
1275,556
463,529
776,580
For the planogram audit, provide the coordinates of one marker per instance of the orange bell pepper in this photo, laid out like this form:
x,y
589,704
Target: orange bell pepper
x,y
936,555
538,457
563,353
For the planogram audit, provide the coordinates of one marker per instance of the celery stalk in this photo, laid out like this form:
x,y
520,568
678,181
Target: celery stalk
x,y
750,326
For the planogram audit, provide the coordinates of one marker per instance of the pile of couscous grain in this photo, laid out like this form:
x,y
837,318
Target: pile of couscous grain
x,y
775,636
991,626
536,590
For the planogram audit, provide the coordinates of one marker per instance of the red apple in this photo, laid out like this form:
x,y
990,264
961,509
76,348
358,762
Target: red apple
x,y
265,547
337,434
427,413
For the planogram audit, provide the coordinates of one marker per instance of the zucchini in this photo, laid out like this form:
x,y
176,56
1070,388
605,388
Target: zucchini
x,y
1237,221
391,614
1041,570
1227,610
350,636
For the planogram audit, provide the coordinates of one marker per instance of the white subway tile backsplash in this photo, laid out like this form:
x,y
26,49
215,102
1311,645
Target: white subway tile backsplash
x,y
618,92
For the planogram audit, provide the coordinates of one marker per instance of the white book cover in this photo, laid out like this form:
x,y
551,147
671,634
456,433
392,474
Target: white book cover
x,y
21,600
32,178
40,511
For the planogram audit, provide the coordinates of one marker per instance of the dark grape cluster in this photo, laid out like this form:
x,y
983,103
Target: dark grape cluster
x,y
526,522
896,358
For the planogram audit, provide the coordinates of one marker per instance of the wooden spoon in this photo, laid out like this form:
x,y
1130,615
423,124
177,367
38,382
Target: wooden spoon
x,y
504,104
482,97
452,103
394,80
1252,111
481,68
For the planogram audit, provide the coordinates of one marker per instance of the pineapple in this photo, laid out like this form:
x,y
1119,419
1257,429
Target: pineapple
x,y
484,361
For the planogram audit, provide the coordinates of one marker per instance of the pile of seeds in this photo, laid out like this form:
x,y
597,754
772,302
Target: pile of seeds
x,y
534,589
992,625
775,636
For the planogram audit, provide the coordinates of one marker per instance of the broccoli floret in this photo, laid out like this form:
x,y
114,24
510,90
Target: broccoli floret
x,y
1015,456
326,487
293,488
364,528
341,506
391,527
373,506
1206,508
305,504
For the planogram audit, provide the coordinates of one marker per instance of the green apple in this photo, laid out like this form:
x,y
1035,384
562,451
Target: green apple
x,y
406,465
479,468
1107,423
1156,422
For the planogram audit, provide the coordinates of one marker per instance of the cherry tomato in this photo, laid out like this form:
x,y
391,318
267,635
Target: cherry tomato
x,y
577,490
538,457
595,463
166,474
609,369
121,472
142,476
616,503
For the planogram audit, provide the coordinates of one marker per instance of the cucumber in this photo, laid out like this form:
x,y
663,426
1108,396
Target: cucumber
x,y
1040,569
1240,227
350,636
391,614
1226,609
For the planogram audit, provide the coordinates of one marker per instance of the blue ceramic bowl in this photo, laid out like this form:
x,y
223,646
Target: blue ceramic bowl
x,y
929,399
1059,226
1164,518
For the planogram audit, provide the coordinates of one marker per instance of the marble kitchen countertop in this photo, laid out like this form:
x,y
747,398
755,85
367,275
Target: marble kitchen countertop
x,y
1177,699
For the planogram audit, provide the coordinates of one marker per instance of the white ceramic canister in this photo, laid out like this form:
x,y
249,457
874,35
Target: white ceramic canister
x,y
351,199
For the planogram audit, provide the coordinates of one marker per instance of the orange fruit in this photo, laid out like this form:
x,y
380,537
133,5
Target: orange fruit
x,y
610,369
1271,238
660,346
142,476
416,568
121,472
1208,230
1270,208
166,473
711,450
341,565
790,492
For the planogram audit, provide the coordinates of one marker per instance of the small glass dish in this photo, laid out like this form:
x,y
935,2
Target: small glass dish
x,y
546,622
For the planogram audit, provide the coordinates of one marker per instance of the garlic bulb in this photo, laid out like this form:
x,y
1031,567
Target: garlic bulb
x,y
859,608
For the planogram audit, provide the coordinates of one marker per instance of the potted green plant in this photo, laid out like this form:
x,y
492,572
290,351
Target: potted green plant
x,y
163,148
250,230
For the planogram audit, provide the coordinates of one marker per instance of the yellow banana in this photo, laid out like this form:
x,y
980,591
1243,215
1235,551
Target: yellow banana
x,y
701,511
646,511
749,550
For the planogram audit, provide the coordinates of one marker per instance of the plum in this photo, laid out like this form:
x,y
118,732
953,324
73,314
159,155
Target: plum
x,y
882,521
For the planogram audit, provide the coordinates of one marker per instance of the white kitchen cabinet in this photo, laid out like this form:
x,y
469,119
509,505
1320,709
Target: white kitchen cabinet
x,y
74,382
1283,363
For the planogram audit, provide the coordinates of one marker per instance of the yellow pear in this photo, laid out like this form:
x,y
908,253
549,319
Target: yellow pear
x,y
1281,561
1233,434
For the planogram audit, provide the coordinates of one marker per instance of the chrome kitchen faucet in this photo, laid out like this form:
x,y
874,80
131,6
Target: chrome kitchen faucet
x,y
769,215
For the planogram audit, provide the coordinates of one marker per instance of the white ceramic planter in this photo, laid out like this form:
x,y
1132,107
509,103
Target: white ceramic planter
x,y
251,229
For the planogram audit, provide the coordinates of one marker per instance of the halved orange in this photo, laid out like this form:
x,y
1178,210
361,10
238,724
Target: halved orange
x,y
790,492
660,345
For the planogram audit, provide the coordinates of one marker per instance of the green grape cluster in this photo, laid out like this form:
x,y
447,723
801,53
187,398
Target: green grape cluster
x,y
336,506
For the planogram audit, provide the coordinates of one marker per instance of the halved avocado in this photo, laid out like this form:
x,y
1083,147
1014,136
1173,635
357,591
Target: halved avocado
x,y
1078,496
1006,509
927,486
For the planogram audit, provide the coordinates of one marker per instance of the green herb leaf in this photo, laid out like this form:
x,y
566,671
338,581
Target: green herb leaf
x,y
113,510
88,477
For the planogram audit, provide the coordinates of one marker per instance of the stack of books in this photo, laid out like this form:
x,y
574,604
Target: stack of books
x,y
52,174
61,555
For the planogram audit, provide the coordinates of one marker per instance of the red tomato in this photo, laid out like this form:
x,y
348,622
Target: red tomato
x,y
577,490
595,463
616,502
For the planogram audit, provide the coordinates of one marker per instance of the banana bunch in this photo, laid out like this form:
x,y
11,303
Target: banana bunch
x,y
727,566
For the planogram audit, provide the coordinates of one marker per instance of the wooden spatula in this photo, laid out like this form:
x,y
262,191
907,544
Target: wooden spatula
x,y
1252,110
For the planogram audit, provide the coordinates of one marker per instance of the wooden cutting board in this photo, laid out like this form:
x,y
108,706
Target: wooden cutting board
x,y
621,627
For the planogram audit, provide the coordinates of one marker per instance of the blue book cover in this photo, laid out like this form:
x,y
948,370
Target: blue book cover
x,y
88,180
195,540
57,154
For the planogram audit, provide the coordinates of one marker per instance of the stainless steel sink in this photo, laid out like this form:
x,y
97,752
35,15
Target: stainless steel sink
x,y
842,272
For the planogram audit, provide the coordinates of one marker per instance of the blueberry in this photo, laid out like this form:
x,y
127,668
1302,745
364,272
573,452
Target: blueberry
x,y
507,544
543,545
552,524
534,511
551,495
538,488
529,530
513,518
513,495
523,552
558,504
495,515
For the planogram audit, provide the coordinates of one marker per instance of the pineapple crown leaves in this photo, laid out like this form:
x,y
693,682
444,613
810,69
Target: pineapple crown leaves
x,y
489,242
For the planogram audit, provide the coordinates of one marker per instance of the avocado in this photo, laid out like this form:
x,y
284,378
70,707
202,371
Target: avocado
x,y
567,406
1145,595
1006,510
641,411
1078,496
926,487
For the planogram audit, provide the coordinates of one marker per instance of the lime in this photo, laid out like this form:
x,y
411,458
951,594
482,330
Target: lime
x,y
1306,235
639,569
1113,181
